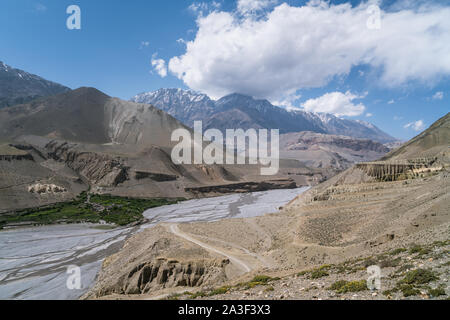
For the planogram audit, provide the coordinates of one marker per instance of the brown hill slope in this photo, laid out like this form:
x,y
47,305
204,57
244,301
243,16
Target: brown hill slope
x,y
324,150
112,146
87,115
346,224
433,142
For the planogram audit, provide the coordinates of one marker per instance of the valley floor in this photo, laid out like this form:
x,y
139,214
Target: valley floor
x,y
342,226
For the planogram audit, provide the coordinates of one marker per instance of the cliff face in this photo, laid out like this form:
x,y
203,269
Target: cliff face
x,y
329,151
158,261
98,169
400,170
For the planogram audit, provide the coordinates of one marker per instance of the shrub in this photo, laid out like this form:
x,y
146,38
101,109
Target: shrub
x,y
317,274
437,292
338,285
262,279
219,291
419,250
389,263
409,290
419,276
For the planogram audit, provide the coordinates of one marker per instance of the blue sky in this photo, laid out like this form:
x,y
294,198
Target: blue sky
x,y
117,42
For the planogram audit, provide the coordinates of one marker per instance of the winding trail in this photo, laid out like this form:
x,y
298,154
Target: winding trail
x,y
236,261
34,260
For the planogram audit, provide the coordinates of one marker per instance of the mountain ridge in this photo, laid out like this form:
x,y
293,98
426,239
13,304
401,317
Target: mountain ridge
x,y
18,86
241,111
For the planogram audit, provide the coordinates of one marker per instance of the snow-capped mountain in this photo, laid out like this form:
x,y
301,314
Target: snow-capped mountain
x,y
185,105
242,111
17,86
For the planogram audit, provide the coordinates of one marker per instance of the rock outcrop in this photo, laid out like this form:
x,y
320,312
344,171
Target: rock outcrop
x,y
99,169
158,261
243,187
400,170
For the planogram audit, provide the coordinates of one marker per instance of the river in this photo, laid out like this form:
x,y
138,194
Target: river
x,y
34,261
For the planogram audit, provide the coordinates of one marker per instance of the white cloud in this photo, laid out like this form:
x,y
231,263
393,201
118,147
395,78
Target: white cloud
x,y
416,126
438,95
290,48
246,7
369,115
159,65
202,8
337,103
391,101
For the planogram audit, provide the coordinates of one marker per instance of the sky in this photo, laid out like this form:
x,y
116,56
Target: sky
x,y
385,62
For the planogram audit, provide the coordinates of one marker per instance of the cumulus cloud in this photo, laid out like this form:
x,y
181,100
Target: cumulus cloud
x,y
202,8
246,7
369,115
337,103
159,65
289,48
438,95
416,126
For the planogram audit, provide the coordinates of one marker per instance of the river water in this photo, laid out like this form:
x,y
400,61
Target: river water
x,y
34,261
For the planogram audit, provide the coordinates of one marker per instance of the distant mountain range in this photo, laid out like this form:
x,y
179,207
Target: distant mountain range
x,y
241,111
329,151
17,86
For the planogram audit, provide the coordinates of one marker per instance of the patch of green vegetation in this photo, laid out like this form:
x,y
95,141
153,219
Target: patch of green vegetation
x,y
413,281
338,285
419,250
445,264
370,262
268,289
343,286
404,268
397,251
198,294
419,276
440,291
260,280
174,296
441,243
390,263
318,273
219,291
409,290
111,209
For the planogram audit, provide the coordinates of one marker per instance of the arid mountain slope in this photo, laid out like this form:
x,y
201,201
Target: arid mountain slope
x,y
362,213
430,143
117,147
17,86
87,115
323,151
